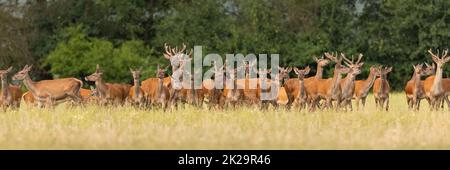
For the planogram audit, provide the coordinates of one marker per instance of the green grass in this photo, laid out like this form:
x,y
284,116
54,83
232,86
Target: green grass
x,y
96,127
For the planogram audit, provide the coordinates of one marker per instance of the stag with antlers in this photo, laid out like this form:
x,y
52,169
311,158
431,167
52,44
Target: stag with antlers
x,y
433,85
178,61
348,83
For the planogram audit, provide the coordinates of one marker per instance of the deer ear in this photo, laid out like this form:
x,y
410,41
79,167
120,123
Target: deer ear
x,y
29,67
289,69
296,70
131,70
361,64
307,69
9,69
389,70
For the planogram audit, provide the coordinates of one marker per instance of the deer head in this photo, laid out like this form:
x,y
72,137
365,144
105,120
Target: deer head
x,y
374,70
321,61
383,71
301,73
429,70
4,73
355,67
97,75
338,68
440,60
284,73
161,73
22,73
136,73
176,56
418,69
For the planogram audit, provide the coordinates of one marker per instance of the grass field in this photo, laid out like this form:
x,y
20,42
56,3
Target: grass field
x,y
95,127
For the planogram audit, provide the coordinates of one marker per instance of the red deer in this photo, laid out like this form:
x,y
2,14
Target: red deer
x,y
59,89
108,93
291,85
348,83
381,88
232,94
177,58
301,98
433,85
86,95
136,95
161,95
9,95
329,89
362,87
414,88
274,82
210,91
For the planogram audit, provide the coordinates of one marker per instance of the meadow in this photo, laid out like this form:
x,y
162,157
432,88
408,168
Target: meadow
x,y
95,127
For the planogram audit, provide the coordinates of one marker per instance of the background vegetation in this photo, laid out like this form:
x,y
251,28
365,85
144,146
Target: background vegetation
x,y
68,37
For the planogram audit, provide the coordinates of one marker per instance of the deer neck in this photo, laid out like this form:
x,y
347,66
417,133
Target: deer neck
x,y
349,82
137,87
160,87
5,89
301,87
101,87
368,83
383,84
335,81
30,85
319,72
437,85
416,80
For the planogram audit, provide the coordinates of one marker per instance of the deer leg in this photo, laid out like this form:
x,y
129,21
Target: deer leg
x,y
363,102
357,103
386,102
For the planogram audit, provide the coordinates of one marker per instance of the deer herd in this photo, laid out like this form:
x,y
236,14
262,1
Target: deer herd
x,y
302,92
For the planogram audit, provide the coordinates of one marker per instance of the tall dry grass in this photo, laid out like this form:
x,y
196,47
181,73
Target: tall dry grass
x,y
96,127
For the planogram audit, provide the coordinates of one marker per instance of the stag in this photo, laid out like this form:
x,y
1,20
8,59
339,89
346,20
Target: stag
x,y
433,86
329,89
59,89
178,61
348,83
10,95
381,88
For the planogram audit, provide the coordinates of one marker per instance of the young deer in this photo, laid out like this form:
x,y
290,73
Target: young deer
x,y
381,88
329,89
433,86
414,87
107,93
60,89
291,85
211,92
301,98
231,94
162,92
136,94
348,83
9,95
362,87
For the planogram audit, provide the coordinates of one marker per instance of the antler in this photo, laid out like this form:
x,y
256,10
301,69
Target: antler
x,y
331,57
347,61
